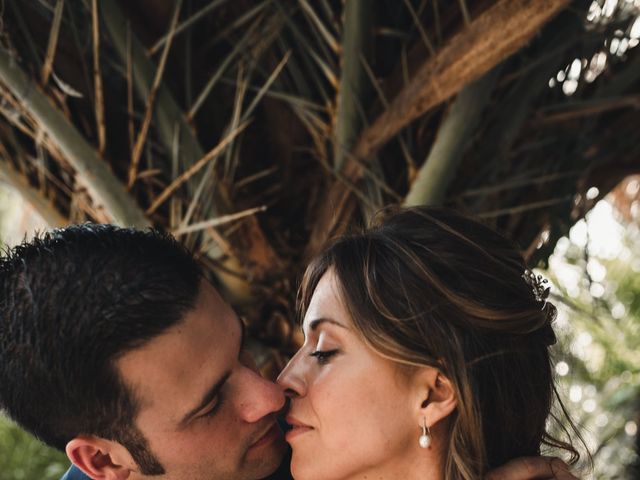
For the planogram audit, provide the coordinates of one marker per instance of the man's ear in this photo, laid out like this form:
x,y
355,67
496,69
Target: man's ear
x,y
436,396
100,459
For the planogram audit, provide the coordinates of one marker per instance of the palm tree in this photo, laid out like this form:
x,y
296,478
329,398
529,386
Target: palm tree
x,y
255,130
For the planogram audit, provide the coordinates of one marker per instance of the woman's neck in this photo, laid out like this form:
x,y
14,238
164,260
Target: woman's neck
x,y
418,465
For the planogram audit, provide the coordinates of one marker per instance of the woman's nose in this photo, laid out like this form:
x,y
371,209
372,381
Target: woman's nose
x,y
291,379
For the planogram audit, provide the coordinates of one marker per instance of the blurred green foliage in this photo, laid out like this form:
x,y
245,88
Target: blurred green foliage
x,y
22,457
596,272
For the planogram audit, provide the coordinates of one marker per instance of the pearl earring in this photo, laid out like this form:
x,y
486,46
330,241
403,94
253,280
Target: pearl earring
x,y
425,438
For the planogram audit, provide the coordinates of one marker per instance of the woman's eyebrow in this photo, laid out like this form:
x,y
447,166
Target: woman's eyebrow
x,y
314,324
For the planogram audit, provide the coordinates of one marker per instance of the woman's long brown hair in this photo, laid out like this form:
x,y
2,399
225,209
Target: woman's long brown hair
x,y
428,286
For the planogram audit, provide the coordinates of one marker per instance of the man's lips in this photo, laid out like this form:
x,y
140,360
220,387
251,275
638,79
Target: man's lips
x,y
267,436
297,428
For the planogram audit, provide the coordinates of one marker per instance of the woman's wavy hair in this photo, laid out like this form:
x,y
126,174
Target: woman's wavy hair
x,y
431,287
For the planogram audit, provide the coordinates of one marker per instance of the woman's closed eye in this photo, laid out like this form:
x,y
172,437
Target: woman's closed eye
x,y
323,356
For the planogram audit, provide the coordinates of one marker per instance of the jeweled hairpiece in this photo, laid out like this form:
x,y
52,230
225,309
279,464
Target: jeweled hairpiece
x,y
538,284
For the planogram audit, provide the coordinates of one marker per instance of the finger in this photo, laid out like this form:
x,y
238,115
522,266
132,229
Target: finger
x,y
560,469
532,468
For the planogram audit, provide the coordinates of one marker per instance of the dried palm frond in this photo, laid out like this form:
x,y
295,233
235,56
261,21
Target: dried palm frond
x,y
250,129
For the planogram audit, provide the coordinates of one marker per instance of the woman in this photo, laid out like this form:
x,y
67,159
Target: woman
x,y
426,354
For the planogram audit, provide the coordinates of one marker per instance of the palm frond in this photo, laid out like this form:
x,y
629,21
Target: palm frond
x,y
105,189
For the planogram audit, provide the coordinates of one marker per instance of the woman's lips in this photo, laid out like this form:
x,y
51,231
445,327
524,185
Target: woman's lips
x,y
297,428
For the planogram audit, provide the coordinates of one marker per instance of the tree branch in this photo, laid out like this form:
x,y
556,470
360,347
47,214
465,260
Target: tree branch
x,y
103,186
496,34
168,114
349,115
454,134
488,40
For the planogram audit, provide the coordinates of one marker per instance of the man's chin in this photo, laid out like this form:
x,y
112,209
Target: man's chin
x,y
263,460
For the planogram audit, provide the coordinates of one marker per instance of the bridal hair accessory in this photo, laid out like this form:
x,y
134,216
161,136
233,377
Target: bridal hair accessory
x,y
425,438
539,286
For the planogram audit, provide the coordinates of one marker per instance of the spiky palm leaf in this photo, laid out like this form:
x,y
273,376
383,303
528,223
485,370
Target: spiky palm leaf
x,y
250,128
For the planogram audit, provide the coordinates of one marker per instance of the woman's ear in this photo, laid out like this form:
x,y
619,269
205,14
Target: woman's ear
x,y
100,459
436,396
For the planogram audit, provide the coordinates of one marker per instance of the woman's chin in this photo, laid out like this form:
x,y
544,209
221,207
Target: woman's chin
x,y
308,463
305,465
302,471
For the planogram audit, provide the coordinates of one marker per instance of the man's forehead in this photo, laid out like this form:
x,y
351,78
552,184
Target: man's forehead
x,y
172,368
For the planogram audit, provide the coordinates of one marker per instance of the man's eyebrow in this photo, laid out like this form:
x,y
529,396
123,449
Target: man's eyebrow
x,y
212,393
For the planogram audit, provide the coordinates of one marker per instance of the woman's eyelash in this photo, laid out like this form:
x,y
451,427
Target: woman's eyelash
x,y
323,356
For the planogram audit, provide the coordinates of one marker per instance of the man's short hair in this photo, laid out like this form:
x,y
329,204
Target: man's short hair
x,y
72,301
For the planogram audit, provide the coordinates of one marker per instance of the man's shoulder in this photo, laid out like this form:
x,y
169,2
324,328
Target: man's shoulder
x,y
74,474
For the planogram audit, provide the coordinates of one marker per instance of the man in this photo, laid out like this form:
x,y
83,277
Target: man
x,y
115,349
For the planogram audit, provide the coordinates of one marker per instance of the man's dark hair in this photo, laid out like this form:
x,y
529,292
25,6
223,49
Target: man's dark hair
x,y
72,301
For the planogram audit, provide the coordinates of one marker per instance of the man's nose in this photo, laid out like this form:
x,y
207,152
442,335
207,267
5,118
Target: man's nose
x,y
262,397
